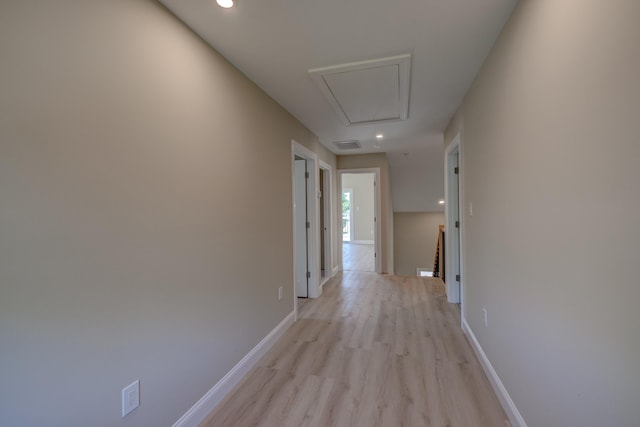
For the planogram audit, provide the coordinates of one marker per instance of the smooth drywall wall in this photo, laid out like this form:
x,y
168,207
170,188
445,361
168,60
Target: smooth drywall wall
x,y
417,177
415,240
363,204
378,160
550,163
146,215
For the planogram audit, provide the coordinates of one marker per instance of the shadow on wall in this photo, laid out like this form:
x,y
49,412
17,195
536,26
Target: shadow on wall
x,y
415,240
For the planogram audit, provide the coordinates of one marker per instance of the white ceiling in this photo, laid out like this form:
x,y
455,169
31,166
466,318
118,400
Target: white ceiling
x,y
276,42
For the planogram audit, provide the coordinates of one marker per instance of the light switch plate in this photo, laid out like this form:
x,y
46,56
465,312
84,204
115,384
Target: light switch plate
x,y
130,397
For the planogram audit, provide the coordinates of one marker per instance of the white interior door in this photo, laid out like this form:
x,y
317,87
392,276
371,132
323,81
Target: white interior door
x,y
455,207
453,227
300,212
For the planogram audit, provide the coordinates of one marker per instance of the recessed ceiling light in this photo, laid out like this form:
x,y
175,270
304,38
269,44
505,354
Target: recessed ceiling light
x,y
379,136
226,3
441,202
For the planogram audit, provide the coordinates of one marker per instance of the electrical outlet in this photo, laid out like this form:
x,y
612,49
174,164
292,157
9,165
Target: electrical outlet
x,y
130,397
484,314
280,290
470,209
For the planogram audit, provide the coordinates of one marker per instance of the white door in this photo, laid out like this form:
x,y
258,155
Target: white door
x,y
452,231
300,212
455,207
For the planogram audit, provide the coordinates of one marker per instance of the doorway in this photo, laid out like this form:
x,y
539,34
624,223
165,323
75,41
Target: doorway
x,y
306,235
359,225
453,223
301,227
325,182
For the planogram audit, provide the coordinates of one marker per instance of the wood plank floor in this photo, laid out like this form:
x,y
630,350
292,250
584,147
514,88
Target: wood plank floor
x,y
358,256
372,351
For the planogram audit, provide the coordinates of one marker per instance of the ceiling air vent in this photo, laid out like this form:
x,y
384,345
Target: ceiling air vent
x,y
367,91
347,145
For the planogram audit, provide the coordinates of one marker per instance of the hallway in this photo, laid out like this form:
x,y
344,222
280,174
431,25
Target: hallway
x,y
372,351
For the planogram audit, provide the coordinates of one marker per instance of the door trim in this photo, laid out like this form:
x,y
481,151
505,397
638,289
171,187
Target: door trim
x,y
313,242
301,224
329,237
376,204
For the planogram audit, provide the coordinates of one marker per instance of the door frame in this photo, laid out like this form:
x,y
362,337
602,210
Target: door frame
x,y
329,233
313,241
376,207
454,265
301,235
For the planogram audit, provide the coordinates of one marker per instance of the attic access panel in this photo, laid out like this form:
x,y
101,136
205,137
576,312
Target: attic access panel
x,y
367,91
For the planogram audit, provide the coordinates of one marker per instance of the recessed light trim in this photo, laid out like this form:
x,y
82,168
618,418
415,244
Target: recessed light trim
x,y
226,3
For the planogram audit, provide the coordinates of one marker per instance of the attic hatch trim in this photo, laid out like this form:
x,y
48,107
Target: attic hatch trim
x,y
403,64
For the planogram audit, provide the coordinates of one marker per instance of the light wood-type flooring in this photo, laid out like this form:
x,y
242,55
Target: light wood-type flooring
x,y
358,257
373,350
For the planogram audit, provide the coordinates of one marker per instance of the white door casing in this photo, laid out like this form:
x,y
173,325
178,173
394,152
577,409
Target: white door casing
x,y
313,240
300,220
377,196
329,233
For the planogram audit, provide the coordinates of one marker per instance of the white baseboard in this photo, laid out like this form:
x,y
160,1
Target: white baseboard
x,y
334,271
203,407
508,405
362,242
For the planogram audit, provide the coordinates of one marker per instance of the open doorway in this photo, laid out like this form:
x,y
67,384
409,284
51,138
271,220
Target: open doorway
x,y
301,222
325,183
306,240
359,227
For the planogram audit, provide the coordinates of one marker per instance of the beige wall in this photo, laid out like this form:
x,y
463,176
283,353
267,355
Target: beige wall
x,y
363,204
378,160
130,245
550,163
415,240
